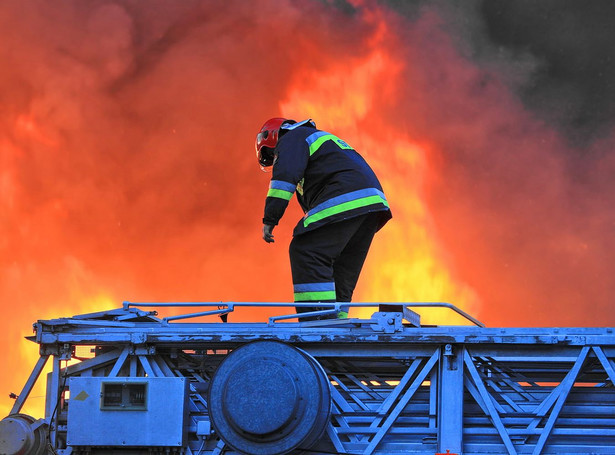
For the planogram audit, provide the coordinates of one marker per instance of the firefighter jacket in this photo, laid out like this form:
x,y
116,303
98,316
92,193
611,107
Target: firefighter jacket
x,y
332,181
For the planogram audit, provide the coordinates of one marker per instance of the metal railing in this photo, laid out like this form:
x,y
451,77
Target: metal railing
x,y
223,308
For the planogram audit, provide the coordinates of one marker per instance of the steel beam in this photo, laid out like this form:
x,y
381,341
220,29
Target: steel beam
x,y
27,388
566,385
450,400
416,390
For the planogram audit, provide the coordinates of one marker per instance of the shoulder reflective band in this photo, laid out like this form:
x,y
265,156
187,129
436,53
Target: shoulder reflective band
x,y
317,139
281,189
314,292
297,125
345,203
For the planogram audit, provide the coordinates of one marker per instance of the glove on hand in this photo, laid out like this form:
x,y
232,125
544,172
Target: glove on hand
x,y
268,233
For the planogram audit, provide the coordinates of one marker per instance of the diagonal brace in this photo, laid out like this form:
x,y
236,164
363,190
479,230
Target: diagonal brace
x,y
27,388
606,364
566,386
402,403
487,399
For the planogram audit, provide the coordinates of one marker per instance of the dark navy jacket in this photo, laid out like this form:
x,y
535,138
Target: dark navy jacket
x,y
333,182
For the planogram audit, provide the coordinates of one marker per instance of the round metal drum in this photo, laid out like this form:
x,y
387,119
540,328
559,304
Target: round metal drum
x,y
269,398
18,438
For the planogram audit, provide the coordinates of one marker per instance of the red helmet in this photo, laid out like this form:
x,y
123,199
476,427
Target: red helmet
x,y
266,140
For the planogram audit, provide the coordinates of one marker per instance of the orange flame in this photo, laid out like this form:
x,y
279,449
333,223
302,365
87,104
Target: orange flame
x,y
127,169
406,262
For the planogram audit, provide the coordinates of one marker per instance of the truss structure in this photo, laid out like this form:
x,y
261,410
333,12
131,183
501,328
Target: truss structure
x,y
395,386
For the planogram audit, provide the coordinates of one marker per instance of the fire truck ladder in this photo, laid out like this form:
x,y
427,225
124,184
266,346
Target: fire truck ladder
x,y
128,382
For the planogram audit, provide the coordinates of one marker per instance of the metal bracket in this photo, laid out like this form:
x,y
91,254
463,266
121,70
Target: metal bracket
x,y
387,322
407,314
62,351
143,350
67,351
450,355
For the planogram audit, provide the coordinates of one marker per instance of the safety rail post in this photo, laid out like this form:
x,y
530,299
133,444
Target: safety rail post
x,y
450,399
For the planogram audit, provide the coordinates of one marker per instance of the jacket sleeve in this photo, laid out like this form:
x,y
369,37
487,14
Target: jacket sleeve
x,y
291,160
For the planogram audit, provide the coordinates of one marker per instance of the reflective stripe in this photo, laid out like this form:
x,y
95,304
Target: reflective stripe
x,y
281,189
315,140
314,136
310,287
314,296
280,194
314,292
344,203
297,125
281,185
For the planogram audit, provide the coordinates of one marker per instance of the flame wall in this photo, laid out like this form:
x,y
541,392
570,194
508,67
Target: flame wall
x,y
127,172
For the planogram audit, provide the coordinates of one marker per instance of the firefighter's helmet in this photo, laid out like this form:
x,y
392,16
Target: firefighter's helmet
x,y
267,139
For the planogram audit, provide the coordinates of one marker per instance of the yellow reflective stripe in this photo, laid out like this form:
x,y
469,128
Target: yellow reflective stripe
x,y
344,207
328,137
282,194
315,296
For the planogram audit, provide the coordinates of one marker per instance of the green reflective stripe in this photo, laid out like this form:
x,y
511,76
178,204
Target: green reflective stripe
x,y
316,296
345,207
279,194
328,137
342,315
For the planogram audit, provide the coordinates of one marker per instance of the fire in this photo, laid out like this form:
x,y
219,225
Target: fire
x,y
127,169
27,127
407,262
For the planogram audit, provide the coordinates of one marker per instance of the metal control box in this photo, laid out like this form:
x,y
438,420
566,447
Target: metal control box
x,y
124,411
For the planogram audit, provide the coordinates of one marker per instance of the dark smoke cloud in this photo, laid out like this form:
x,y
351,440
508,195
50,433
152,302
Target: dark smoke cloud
x,y
573,43
522,116
556,55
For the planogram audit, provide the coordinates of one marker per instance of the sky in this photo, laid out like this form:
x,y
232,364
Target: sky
x,y
128,173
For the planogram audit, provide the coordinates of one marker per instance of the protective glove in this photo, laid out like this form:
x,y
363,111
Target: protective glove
x,y
268,233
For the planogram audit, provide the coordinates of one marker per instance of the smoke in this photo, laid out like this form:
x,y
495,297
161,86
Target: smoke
x,y
573,44
126,138
127,156
520,193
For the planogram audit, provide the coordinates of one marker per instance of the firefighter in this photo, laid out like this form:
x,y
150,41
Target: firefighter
x,y
341,197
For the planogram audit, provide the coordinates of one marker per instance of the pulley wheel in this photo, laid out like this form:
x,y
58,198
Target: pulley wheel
x,y
269,398
18,438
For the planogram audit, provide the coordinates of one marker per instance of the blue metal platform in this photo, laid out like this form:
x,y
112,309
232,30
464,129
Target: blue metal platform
x,y
384,385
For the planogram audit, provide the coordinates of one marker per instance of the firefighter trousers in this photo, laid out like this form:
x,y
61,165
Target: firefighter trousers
x,y
327,261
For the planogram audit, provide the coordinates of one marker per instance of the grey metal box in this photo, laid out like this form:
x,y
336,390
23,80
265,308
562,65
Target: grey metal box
x,y
127,411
